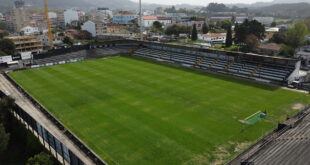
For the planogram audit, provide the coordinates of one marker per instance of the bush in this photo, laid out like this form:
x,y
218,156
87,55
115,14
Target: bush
x,y
41,159
234,48
287,51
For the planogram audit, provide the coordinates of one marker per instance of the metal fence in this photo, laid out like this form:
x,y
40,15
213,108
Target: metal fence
x,y
58,63
87,151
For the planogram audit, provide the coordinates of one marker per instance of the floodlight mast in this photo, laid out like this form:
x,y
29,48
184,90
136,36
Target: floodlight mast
x,y
140,20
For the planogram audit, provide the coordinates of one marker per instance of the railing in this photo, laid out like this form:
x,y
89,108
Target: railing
x,y
270,137
83,147
60,149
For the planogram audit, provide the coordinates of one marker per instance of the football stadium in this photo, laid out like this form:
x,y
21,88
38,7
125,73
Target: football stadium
x,y
165,104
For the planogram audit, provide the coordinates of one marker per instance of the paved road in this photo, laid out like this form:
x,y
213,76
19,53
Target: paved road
x,y
24,103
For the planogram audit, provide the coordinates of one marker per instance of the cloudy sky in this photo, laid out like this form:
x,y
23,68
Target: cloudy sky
x,y
199,2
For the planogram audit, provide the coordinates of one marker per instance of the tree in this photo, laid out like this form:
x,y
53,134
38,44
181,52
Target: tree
x,y
307,22
176,30
211,26
157,27
6,104
249,27
233,19
2,53
67,41
194,33
3,26
287,51
252,43
4,139
217,7
224,24
7,46
205,28
278,38
41,159
228,37
3,34
273,24
295,36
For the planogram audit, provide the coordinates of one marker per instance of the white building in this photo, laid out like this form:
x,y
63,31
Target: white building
x,y
28,30
147,21
57,40
105,11
148,12
52,15
215,38
95,28
164,20
264,20
71,15
1,17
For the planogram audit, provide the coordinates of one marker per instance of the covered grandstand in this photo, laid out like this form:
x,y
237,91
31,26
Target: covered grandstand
x,y
260,68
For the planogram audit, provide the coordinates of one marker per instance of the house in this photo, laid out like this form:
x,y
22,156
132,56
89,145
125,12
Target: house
x,y
270,49
52,15
1,17
240,20
71,15
57,40
213,38
164,20
118,29
147,21
159,11
28,30
95,28
97,17
124,17
106,12
270,32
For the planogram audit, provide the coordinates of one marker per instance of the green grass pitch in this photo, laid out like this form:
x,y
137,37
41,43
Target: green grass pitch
x,y
131,111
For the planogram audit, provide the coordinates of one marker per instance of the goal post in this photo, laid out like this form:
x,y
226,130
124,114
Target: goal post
x,y
254,118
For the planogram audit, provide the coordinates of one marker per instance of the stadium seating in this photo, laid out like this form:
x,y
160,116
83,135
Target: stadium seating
x,y
246,69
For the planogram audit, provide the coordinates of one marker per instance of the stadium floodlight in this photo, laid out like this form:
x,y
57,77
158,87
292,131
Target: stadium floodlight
x,y
140,19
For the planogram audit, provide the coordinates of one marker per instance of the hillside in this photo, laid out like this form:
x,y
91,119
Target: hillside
x,y
296,10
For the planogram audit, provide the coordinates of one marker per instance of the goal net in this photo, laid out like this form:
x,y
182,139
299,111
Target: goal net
x,y
254,118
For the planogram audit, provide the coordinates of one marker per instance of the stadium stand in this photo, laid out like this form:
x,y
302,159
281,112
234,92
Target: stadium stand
x,y
250,66
96,51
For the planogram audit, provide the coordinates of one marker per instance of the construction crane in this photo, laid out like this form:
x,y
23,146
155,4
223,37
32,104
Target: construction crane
x,y
50,34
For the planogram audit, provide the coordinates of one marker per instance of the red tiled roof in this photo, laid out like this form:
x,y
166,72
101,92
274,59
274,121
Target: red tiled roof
x,y
163,18
270,46
149,17
212,35
125,13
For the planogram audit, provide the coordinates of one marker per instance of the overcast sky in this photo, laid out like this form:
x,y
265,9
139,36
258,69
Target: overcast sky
x,y
199,2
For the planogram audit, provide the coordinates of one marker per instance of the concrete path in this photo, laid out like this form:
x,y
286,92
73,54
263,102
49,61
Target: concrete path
x,y
24,103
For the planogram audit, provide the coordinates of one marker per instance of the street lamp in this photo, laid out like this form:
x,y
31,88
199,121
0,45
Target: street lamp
x,y
141,25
